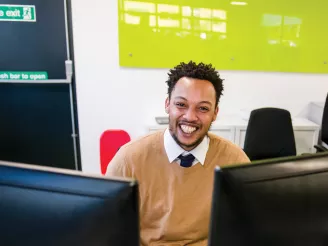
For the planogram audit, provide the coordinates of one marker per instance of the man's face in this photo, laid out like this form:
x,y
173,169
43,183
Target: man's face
x,y
192,109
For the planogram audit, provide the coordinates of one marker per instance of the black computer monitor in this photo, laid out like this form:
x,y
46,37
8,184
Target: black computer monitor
x,y
276,202
50,207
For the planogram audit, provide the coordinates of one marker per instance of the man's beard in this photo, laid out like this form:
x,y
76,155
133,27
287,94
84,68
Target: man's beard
x,y
189,146
194,144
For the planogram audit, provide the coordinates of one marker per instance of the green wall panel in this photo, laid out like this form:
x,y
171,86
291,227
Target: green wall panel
x,y
256,35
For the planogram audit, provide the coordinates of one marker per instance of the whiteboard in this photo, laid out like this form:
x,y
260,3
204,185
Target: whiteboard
x,y
254,35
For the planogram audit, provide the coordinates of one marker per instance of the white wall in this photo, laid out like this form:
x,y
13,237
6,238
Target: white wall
x,y
110,97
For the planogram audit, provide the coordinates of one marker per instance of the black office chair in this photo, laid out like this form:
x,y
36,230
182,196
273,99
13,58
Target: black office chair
x,y
324,130
269,134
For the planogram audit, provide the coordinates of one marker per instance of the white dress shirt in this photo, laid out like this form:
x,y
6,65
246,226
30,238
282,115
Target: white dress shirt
x,y
173,150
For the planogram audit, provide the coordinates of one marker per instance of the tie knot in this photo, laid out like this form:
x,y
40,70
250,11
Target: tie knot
x,y
186,161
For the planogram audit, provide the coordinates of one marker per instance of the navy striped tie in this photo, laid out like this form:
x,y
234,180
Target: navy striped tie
x,y
186,161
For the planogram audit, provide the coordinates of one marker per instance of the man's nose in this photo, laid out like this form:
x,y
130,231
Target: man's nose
x,y
190,115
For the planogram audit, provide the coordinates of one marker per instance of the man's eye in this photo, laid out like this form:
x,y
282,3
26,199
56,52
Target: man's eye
x,y
180,104
204,109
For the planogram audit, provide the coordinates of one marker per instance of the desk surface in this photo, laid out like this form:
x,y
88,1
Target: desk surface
x,y
318,104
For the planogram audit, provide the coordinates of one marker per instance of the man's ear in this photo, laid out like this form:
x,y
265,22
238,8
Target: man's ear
x,y
167,105
216,111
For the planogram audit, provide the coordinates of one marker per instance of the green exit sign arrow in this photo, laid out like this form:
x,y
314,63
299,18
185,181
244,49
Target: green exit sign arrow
x,y
17,13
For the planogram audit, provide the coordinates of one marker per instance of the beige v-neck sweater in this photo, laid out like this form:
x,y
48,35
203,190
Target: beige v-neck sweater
x,y
175,202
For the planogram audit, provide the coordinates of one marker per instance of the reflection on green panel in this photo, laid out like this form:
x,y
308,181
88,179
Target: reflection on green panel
x,y
258,35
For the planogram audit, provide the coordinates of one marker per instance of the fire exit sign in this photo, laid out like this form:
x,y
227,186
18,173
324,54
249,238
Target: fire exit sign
x,y
17,13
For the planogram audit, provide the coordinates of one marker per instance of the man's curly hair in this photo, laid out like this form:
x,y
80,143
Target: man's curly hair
x,y
197,71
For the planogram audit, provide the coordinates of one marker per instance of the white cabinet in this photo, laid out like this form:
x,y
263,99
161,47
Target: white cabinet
x,y
305,140
305,132
240,136
306,135
234,129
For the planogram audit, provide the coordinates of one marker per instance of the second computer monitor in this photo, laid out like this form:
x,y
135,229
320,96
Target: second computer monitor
x,y
279,202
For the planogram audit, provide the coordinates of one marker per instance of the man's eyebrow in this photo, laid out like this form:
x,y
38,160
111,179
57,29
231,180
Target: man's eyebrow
x,y
207,102
179,97
183,98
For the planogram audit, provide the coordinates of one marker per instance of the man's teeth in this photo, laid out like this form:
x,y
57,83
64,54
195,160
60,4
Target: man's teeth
x,y
188,129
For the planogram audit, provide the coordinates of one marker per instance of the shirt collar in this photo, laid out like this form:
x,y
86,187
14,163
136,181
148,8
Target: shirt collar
x,y
173,150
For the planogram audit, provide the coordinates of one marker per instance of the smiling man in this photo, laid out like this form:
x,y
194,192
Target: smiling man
x,y
175,167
